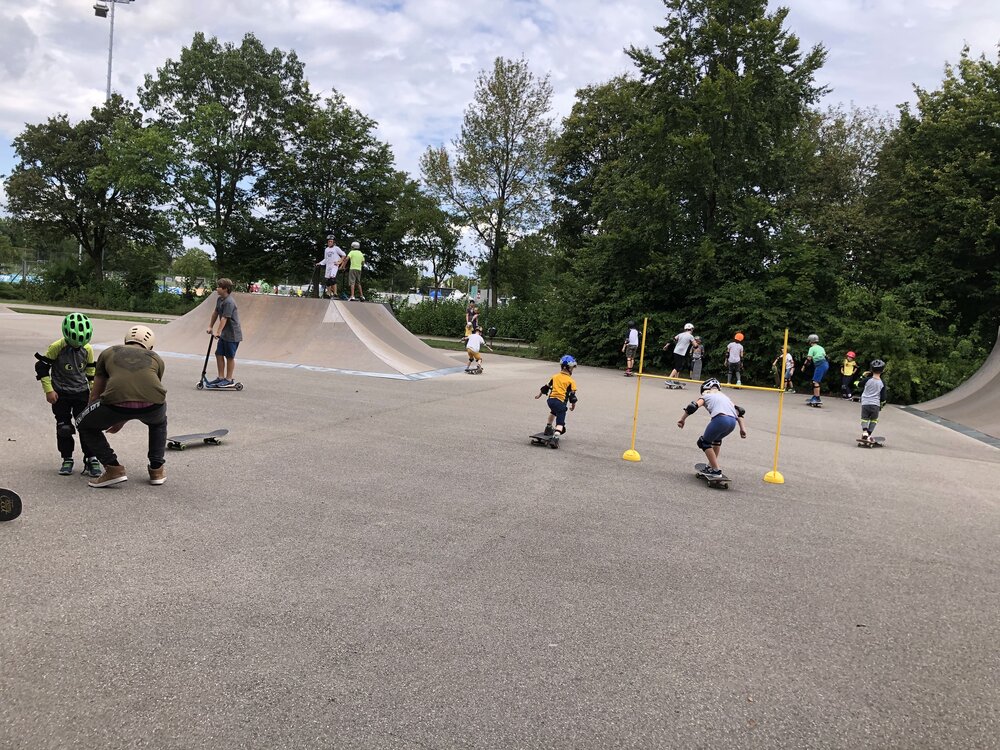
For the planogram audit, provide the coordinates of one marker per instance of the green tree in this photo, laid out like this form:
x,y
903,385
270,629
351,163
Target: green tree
x,y
937,197
192,265
228,109
98,181
495,180
677,186
333,175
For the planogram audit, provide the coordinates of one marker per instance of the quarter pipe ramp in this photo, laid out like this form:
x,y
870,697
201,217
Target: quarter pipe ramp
x,y
975,403
356,338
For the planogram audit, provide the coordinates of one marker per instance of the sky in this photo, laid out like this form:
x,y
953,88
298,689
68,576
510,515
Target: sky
x,y
411,64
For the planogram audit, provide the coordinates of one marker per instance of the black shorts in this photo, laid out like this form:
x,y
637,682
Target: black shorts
x,y
680,361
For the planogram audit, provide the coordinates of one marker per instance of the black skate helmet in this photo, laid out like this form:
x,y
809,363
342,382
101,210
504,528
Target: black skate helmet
x,y
877,365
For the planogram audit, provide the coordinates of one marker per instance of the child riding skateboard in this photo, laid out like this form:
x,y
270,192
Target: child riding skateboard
x,y
873,397
724,417
561,390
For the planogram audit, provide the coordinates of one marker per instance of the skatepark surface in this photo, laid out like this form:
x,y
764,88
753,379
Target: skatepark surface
x,y
377,563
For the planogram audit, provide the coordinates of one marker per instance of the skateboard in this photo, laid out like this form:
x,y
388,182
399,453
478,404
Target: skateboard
x,y
674,386
474,371
875,442
180,442
814,404
714,482
542,439
10,505
628,374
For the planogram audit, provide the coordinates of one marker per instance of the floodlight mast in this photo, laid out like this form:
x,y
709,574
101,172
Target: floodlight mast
x,y
101,11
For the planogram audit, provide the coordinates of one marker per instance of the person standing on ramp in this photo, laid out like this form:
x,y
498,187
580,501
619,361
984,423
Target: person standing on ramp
x,y
333,258
355,261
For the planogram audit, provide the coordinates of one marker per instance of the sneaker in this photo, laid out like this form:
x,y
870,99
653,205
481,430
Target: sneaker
x,y
548,430
350,299
361,299
67,467
92,467
712,472
157,476
215,381
112,475
223,383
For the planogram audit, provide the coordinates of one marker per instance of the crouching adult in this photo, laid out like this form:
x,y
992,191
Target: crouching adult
x,y
127,385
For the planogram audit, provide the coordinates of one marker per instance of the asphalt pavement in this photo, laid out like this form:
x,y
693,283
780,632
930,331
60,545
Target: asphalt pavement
x,y
370,563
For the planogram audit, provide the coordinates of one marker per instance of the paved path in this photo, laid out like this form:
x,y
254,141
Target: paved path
x,y
368,563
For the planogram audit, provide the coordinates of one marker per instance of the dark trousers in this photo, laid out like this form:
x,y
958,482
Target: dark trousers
x,y
845,385
66,410
98,417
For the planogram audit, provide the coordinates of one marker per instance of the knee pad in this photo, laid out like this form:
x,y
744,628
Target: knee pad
x,y
65,429
704,444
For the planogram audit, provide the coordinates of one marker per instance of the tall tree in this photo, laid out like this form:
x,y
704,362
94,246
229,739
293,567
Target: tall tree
x,y
333,175
99,180
495,179
229,108
686,199
938,194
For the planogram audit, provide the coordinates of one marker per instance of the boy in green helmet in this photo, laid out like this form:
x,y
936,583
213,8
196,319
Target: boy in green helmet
x,y
67,373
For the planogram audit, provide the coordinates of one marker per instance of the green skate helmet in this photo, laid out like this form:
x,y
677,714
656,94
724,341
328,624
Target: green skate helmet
x,y
77,330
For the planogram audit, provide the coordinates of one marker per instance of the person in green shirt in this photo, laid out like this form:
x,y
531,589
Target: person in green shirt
x,y
355,260
817,355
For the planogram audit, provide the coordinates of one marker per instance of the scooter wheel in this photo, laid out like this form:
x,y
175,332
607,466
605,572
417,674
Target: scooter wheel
x,y
201,385
239,386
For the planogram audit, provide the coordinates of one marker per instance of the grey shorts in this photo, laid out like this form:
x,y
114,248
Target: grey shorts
x,y
354,276
870,412
630,350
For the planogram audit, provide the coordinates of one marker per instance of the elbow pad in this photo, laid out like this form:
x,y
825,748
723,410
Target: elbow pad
x,y
42,367
740,410
571,397
545,390
691,408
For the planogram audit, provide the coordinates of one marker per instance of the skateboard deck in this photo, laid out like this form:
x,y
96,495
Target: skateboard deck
x,y
715,482
10,505
180,442
674,386
814,404
875,442
542,439
477,371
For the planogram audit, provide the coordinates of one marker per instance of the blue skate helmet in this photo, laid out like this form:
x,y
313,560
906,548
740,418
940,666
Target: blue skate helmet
x,y
567,361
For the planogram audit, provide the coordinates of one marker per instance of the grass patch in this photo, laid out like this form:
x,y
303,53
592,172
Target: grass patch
x,y
93,316
524,352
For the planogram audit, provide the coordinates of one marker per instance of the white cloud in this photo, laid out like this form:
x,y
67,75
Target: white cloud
x,y
411,65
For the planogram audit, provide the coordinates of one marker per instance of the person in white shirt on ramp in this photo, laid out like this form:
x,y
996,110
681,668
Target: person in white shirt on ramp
x,y
333,259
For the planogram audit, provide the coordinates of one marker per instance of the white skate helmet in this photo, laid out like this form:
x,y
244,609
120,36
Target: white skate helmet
x,y
355,245
140,335
689,326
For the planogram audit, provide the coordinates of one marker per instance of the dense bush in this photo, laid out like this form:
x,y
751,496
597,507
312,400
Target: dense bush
x,y
514,321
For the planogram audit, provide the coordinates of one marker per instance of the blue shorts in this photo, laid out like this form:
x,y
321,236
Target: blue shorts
x,y
558,408
819,370
718,427
226,349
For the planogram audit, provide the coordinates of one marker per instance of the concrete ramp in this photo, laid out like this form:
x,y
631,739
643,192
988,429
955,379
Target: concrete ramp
x,y
355,338
975,403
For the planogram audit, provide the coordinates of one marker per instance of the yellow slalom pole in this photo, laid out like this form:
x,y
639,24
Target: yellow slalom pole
x,y
774,476
632,454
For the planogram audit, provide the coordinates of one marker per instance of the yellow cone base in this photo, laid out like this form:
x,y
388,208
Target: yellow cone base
x,y
631,455
774,477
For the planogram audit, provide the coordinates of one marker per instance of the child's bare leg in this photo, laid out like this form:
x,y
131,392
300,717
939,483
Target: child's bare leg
x,y
230,368
713,460
220,364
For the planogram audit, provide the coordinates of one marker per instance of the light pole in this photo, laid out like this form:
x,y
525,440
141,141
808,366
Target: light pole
x,y
101,11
